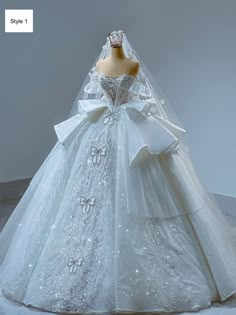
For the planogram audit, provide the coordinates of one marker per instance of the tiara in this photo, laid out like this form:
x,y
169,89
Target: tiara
x,y
115,38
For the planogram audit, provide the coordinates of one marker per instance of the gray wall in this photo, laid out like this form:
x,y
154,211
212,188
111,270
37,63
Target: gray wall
x,y
188,45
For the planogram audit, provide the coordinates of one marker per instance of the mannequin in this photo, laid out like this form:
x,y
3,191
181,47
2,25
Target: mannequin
x,y
117,63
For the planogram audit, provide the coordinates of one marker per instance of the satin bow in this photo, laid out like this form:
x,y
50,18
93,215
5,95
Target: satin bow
x,y
148,134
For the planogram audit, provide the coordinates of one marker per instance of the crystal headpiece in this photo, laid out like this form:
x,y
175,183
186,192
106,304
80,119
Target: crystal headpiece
x,y
115,38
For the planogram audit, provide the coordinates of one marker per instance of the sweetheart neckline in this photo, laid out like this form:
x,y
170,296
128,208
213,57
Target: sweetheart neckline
x,y
118,76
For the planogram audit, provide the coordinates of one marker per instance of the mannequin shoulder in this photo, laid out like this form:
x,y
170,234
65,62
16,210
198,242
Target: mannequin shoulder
x,y
130,65
99,64
134,67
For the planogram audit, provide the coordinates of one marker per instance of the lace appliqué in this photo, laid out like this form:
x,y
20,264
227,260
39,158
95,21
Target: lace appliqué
x,y
110,117
73,264
110,86
87,203
98,154
162,255
116,89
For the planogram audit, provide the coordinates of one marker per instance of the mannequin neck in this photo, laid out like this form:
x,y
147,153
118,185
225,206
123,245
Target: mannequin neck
x,y
117,53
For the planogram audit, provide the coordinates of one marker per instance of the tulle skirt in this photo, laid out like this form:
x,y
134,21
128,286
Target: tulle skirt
x,y
93,235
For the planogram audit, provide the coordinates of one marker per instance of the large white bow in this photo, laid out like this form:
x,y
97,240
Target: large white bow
x,y
148,135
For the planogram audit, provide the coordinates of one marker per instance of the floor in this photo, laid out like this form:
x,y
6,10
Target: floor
x,y
228,205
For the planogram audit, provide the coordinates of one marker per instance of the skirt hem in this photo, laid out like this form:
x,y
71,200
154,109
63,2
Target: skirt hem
x,y
116,311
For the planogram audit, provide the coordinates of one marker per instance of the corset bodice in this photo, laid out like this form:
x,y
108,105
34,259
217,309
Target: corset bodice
x,y
116,89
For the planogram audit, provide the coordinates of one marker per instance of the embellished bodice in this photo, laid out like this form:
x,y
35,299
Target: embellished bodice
x,y
127,97
116,89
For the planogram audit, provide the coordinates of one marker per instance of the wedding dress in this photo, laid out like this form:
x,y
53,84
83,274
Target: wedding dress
x,y
115,219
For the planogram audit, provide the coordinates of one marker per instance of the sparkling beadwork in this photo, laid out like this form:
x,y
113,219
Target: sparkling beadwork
x,y
116,89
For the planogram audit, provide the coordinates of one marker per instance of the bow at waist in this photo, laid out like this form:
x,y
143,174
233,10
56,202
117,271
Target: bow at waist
x,y
148,133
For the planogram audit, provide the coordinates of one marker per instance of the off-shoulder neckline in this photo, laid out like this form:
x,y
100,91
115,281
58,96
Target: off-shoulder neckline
x,y
115,77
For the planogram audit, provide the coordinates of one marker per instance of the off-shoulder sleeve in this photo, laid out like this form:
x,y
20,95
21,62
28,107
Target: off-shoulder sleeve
x,y
139,87
93,86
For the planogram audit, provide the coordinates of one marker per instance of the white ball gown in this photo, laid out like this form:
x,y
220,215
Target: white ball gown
x,y
113,222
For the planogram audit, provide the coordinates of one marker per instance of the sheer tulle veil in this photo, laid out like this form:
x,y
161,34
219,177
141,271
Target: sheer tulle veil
x,y
144,87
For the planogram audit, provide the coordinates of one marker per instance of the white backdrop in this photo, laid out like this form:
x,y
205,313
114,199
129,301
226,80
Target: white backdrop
x,y
188,45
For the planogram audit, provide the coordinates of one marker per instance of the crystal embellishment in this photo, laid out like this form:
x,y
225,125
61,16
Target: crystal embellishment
x,y
73,264
86,203
115,38
97,154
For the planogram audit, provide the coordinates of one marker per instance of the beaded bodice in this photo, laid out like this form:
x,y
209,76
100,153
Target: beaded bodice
x,y
116,89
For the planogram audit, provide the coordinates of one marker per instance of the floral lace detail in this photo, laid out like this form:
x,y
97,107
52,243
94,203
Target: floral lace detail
x,y
159,249
116,89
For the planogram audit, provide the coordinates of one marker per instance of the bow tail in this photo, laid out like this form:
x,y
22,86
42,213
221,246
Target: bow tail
x,y
147,138
66,129
87,110
176,130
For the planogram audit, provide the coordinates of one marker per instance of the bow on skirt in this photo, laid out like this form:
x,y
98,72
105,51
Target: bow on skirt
x,y
148,135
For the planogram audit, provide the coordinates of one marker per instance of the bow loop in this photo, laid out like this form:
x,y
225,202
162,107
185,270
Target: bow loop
x,y
148,134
